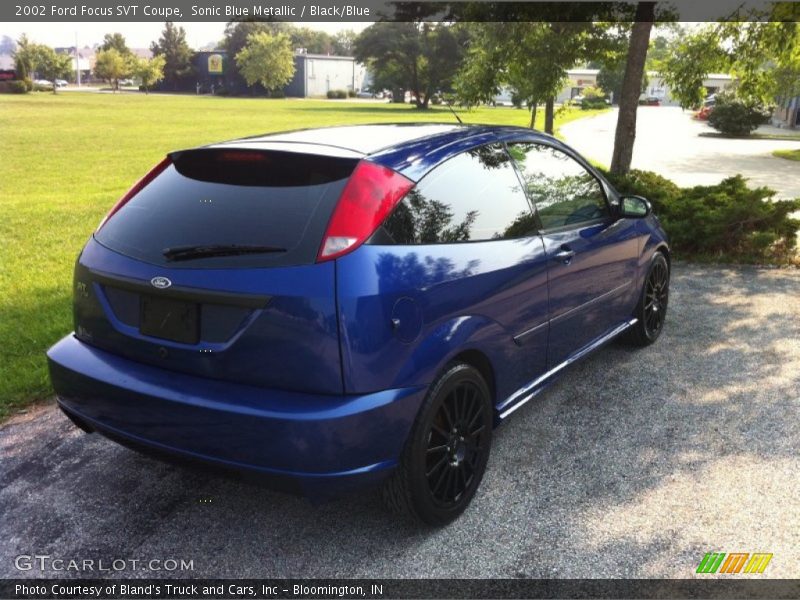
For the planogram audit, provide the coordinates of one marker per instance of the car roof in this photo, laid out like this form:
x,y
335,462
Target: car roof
x,y
409,148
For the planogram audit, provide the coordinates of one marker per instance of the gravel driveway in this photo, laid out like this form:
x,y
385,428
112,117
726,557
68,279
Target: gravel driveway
x,y
634,465
668,143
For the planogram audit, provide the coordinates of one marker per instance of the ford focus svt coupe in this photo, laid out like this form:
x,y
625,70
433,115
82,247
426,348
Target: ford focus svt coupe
x,y
353,305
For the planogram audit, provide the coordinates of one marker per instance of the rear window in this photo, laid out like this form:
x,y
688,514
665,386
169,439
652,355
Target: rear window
x,y
230,197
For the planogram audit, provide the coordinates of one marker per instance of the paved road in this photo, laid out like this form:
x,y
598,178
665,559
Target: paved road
x,y
667,143
634,465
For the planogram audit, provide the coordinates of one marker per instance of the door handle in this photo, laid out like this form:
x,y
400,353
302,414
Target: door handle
x,y
564,255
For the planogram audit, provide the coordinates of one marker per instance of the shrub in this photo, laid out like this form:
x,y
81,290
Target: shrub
x,y
337,94
351,93
14,86
592,104
593,97
736,117
729,221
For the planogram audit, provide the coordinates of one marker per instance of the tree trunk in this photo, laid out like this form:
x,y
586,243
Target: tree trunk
x,y
533,115
632,88
549,115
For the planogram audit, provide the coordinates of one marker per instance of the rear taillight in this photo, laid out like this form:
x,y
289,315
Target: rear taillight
x,y
369,196
137,187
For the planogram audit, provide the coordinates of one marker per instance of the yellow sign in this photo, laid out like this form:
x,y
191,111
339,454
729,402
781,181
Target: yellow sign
x,y
215,64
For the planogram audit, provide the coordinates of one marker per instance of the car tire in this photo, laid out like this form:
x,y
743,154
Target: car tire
x,y
445,457
651,310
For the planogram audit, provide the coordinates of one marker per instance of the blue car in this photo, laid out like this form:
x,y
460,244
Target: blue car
x,y
353,305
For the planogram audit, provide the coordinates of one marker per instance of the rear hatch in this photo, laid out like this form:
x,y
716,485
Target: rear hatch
x,y
208,266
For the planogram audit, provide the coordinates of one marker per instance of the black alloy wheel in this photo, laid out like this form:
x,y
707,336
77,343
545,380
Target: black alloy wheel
x,y
656,295
455,444
446,454
652,307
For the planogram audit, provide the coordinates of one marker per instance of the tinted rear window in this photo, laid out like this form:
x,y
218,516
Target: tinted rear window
x,y
232,197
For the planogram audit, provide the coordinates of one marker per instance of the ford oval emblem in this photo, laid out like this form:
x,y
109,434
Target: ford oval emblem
x,y
160,282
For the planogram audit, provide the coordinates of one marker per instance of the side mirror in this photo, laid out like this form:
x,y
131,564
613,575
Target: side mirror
x,y
634,207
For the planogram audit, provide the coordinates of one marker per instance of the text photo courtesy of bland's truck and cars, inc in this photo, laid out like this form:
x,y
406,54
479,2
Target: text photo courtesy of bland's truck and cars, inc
x,y
226,11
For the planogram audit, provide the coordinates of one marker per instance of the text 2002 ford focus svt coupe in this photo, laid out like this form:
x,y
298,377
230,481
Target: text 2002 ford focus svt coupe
x,y
355,304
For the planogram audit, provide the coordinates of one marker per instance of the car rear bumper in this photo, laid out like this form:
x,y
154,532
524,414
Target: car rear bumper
x,y
314,444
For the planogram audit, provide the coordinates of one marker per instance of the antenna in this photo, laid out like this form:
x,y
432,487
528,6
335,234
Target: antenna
x,y
450,106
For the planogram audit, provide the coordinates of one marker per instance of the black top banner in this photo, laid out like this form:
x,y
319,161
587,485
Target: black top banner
x,y
377,10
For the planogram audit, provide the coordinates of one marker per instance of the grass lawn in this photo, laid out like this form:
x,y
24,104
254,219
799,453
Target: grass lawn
x,y
66,158
788,154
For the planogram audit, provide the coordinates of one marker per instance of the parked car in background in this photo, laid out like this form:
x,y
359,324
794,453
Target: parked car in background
x,y
61,82
649,101
704,113
370,94
355,305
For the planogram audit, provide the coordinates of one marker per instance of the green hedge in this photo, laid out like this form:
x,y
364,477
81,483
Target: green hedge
x,y
735,117
728,222
337,94
14,86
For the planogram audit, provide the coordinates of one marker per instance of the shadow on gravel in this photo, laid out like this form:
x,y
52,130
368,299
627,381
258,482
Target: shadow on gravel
x,y
598,477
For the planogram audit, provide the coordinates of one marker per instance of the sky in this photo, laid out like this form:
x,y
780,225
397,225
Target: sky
x,y
137,35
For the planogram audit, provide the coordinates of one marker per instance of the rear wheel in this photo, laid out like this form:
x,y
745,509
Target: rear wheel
x,y
446,454
652,307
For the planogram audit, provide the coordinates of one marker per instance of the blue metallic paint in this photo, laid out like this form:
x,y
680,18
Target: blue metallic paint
x,y
276,347
323,384
273,431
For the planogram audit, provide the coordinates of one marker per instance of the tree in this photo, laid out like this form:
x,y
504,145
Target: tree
x,y
313,40
688,63
344,42
632,88
117,42
266,59
51,66
149,71
112,66
532,58
177,55
24,57
422,57
763,56
610,77
236,35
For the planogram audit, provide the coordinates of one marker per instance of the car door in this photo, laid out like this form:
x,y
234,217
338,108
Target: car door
x,y
592,256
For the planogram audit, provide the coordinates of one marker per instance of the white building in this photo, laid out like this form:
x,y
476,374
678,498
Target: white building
x,y
580,79
317,74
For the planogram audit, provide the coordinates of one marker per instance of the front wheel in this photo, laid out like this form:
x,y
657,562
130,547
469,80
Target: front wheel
x,y
652,307
446,454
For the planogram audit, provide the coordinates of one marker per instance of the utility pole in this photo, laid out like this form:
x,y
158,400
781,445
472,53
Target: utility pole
x,y
77,62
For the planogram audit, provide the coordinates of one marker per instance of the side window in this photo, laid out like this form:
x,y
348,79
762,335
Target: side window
x,y
473,196
564,192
